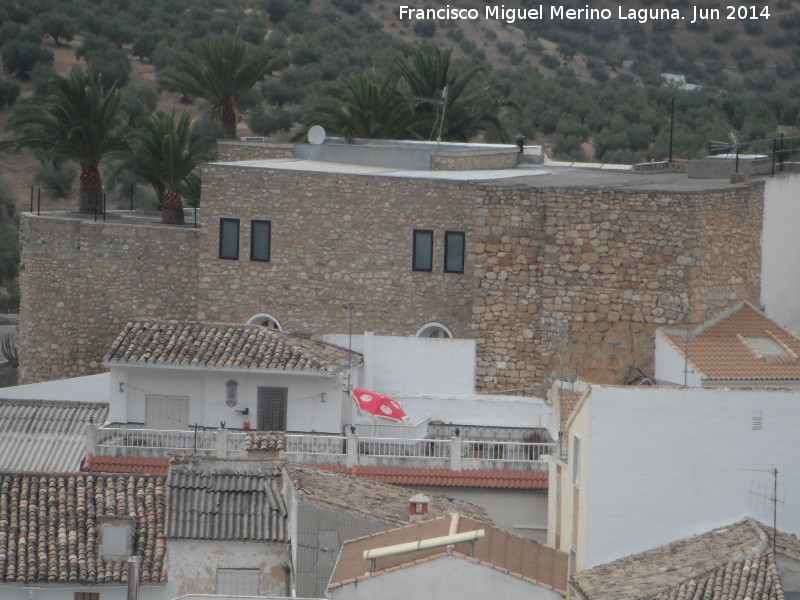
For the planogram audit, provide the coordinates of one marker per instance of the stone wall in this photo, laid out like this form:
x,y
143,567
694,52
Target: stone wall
x,y
336,239
229,151
570,280
469,161
82,281
556,279
576,280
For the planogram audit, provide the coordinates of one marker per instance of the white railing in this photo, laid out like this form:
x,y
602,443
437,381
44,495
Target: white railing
x,y
455,453
419,448
172,439
387,430
314,444
507,451
235,441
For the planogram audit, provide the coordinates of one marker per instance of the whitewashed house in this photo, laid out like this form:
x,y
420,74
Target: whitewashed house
x,y
646,465
169,375
453,558
740,347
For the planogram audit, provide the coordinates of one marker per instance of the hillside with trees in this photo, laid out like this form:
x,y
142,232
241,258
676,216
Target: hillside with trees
x,y
585,89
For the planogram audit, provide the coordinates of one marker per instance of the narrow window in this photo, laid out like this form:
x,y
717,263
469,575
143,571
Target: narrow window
x,y
260,236
423,250
229,239
453,251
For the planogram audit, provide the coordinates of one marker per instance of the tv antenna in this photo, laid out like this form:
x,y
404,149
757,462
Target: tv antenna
x,y
773,498
732,146
436,102
682,305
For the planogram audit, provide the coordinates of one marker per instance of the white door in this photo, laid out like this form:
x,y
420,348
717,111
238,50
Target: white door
x,y
166,412
237,582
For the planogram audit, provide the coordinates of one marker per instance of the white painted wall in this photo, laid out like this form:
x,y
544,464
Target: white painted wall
x,y
192,565
89,388
479,409
306,410
780,247
670,463
523,512
67,592
670,364
413,365
446,578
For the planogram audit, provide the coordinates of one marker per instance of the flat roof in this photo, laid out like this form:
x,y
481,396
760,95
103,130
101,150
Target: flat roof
x,y
548,175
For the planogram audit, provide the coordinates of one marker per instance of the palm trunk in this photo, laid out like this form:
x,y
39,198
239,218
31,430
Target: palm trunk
x,y
228,117
172,208
90,193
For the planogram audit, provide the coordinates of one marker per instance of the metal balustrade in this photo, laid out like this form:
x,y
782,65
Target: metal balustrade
x,y
314,444
506,451
419,448
157,438
455,452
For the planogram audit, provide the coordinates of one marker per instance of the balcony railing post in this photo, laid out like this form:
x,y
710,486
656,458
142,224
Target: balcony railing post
x,y
221,439
351,460
91,438
455,453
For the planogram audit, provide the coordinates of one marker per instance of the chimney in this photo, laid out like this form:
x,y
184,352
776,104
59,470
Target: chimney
x,y
418,508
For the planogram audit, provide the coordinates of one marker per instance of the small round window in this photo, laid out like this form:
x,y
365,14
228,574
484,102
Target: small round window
x,y
265,320
435,330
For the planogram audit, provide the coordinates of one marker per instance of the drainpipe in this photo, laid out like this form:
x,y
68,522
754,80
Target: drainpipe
x,y
134,562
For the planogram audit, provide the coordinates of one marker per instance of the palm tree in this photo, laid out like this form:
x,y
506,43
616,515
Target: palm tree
x,y
460,113
221,73
75,120
365,106
163,156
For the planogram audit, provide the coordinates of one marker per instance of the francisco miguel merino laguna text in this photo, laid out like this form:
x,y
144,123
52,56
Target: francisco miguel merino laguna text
x,y
510,15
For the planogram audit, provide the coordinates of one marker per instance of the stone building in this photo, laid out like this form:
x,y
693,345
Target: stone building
x,y
549,268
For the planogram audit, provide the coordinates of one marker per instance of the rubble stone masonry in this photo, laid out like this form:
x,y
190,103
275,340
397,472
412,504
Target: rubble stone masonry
x,y
81,282
566,279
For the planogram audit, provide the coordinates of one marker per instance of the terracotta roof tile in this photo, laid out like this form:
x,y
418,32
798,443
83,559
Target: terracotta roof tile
x,y
220,345
728,562
720,352
380,502
126,464
56,517
498,549
494,478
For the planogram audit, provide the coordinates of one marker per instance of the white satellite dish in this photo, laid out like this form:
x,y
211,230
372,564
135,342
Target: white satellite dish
x,y
316,135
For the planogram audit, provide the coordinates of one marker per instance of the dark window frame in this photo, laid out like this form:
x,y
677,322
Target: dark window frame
x,y
253,223
414,265
447,236
221,237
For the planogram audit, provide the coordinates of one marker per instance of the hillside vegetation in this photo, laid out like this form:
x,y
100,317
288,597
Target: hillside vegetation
x,y
587,90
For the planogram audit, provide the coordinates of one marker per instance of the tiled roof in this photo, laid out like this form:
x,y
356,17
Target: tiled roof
x,y
219,345
720,352
728,562
45,435
494,478
226,500
267,441
499,549
126,464
49,530
377,501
